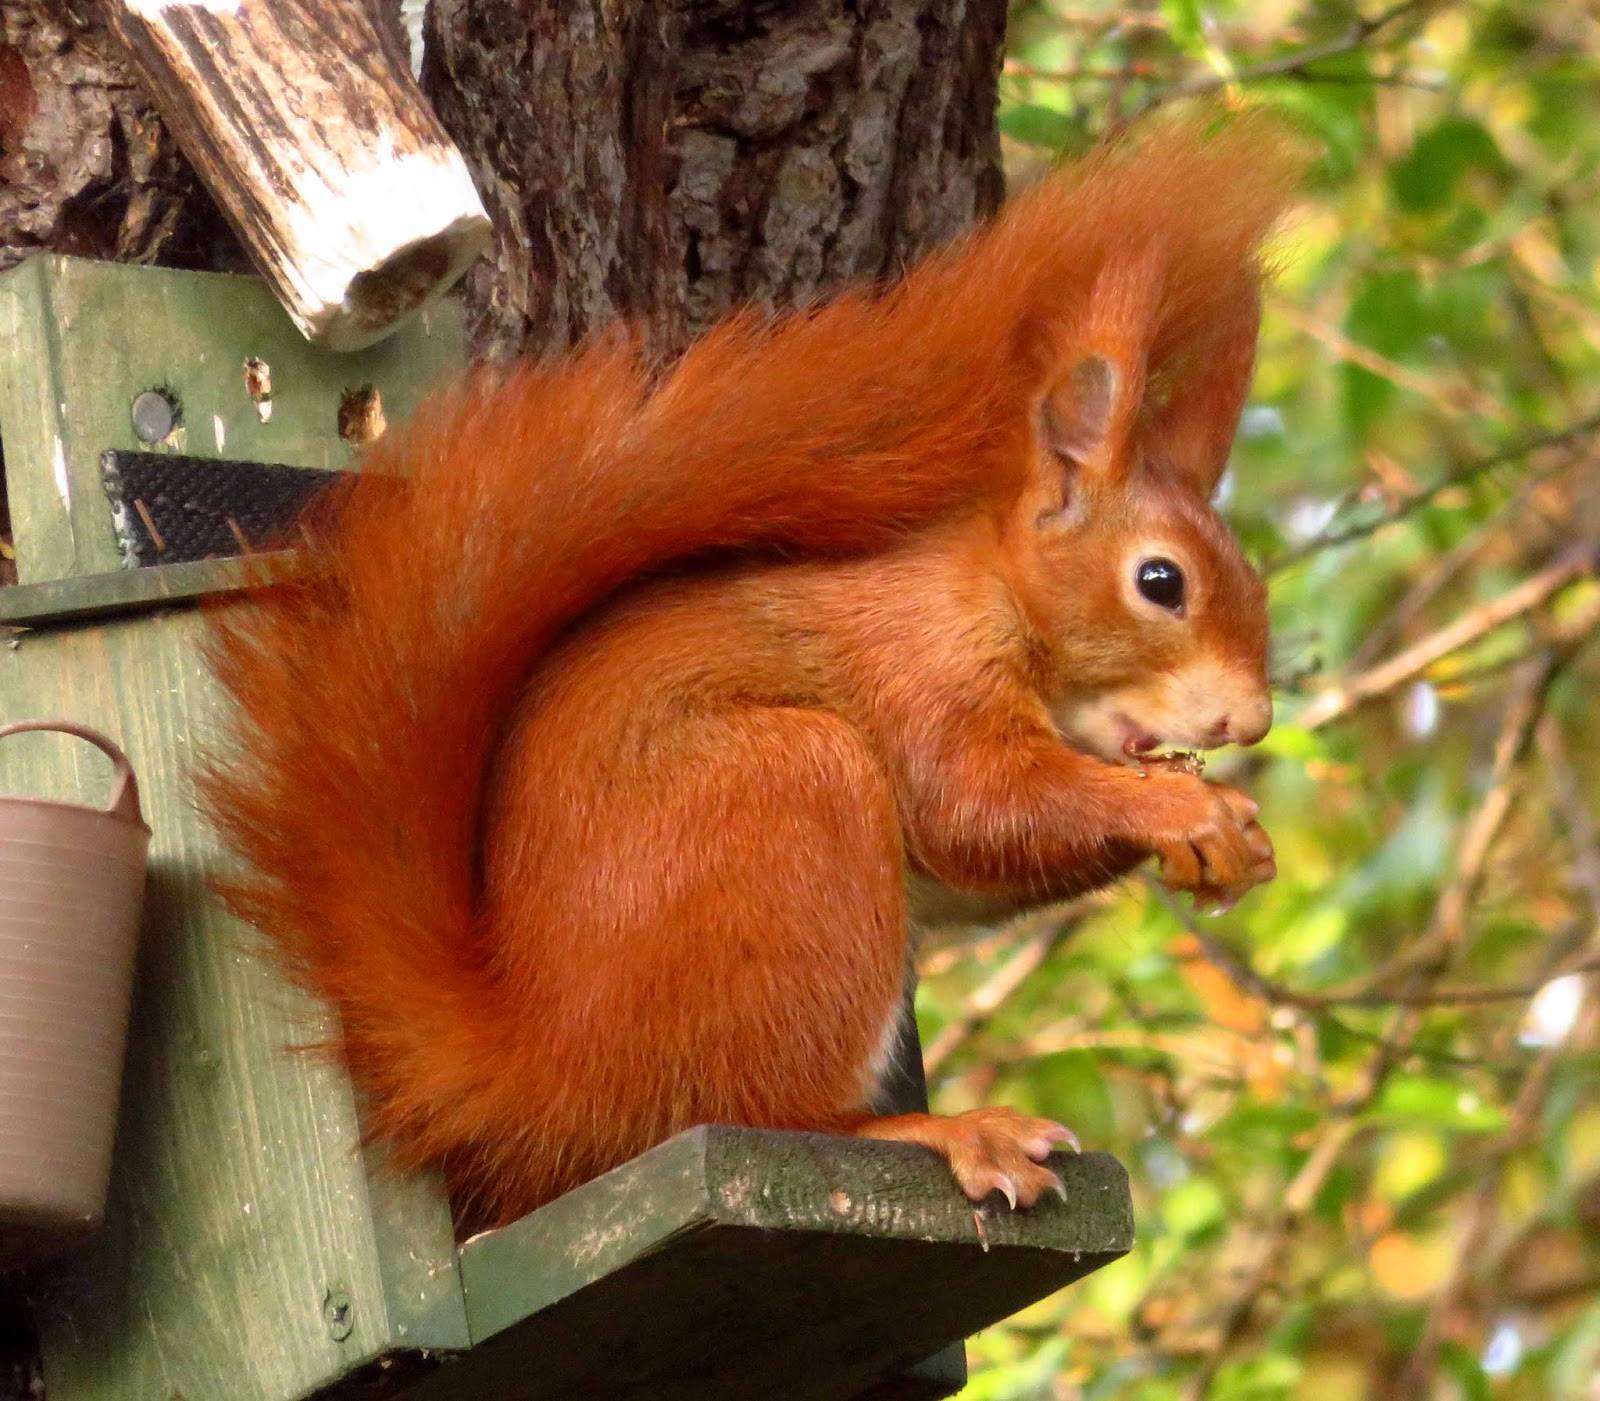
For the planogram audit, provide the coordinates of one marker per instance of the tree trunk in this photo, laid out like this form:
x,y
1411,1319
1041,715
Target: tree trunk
x,y
665,160
86,166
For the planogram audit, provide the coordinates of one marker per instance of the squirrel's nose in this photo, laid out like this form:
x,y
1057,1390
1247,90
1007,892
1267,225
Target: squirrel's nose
x,y
1245,726
1249,724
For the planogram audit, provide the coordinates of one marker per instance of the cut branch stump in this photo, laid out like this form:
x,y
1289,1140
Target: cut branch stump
x,y
304,122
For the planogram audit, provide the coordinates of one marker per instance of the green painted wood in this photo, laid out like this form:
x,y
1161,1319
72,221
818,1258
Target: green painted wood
x,y
32,414
87,596
732,1263
254,1250
244,1213
82,339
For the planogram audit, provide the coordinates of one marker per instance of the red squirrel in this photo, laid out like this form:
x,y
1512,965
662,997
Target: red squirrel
x,y
584,773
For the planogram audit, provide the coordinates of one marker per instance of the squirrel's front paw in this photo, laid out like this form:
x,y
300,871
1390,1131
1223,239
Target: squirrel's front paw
x,y
1209,842
1263,867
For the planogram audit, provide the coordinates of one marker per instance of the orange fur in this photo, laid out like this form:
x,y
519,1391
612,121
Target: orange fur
x,y
583,776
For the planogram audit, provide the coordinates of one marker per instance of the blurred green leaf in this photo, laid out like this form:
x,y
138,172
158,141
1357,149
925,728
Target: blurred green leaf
x,y
1193,1209
1437,297
1390,316
1335,118
1270,1378
1466,1371
1035,125
1427,179
1290,742
1072,1086
1442,1103
1185,24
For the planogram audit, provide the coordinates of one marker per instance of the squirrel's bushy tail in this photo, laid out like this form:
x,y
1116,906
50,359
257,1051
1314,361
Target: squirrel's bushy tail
x,y
370,695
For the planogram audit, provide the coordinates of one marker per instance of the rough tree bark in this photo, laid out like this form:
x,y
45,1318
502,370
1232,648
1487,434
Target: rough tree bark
x,y
86,166
664,160
661,160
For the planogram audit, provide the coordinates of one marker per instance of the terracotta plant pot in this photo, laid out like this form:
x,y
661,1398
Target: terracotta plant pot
x,y
71,886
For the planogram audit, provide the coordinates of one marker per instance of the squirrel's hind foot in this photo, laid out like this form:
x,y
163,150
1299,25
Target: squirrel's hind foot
x,y
989,1150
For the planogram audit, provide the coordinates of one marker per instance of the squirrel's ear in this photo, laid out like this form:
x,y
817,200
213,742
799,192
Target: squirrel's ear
x,y
1076,416
1190,432
1089,410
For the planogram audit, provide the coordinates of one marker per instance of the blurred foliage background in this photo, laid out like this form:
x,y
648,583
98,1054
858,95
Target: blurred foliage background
x,y
1360,1111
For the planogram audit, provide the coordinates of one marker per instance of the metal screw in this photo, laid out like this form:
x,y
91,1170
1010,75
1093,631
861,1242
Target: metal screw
x,y
340,1313
155,415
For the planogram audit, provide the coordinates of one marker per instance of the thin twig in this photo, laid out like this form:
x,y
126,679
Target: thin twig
x,y
1575,815
1087,73
1144,69
1521,1128
980,1008
1442,571
1228,960
1376,80
941,946
1176,1045
1516,729
155,535
1221,954
1430,953
1374,362
1339,699
1483,826
1271,1246
1583,429
1100,19
1286,64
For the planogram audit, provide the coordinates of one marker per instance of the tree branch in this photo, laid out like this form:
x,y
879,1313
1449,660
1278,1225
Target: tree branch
x,y
1143,69
1454,394
1227,959
1339,699
1516,730
991,995
1286,65
1574,810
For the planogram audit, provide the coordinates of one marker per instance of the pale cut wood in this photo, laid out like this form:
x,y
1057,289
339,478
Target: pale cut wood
x,y
311,134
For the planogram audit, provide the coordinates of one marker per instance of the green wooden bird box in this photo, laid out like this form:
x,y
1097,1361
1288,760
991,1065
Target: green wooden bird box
x,y
254,1250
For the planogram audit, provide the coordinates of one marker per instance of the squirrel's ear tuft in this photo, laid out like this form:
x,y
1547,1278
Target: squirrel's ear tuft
x,y
1189,433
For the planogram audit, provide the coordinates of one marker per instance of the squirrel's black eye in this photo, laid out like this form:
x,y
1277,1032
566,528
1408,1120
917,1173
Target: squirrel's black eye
x,y
1161,581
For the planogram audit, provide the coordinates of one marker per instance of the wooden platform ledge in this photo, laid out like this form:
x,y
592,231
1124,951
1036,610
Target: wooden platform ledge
x,y
730,1263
